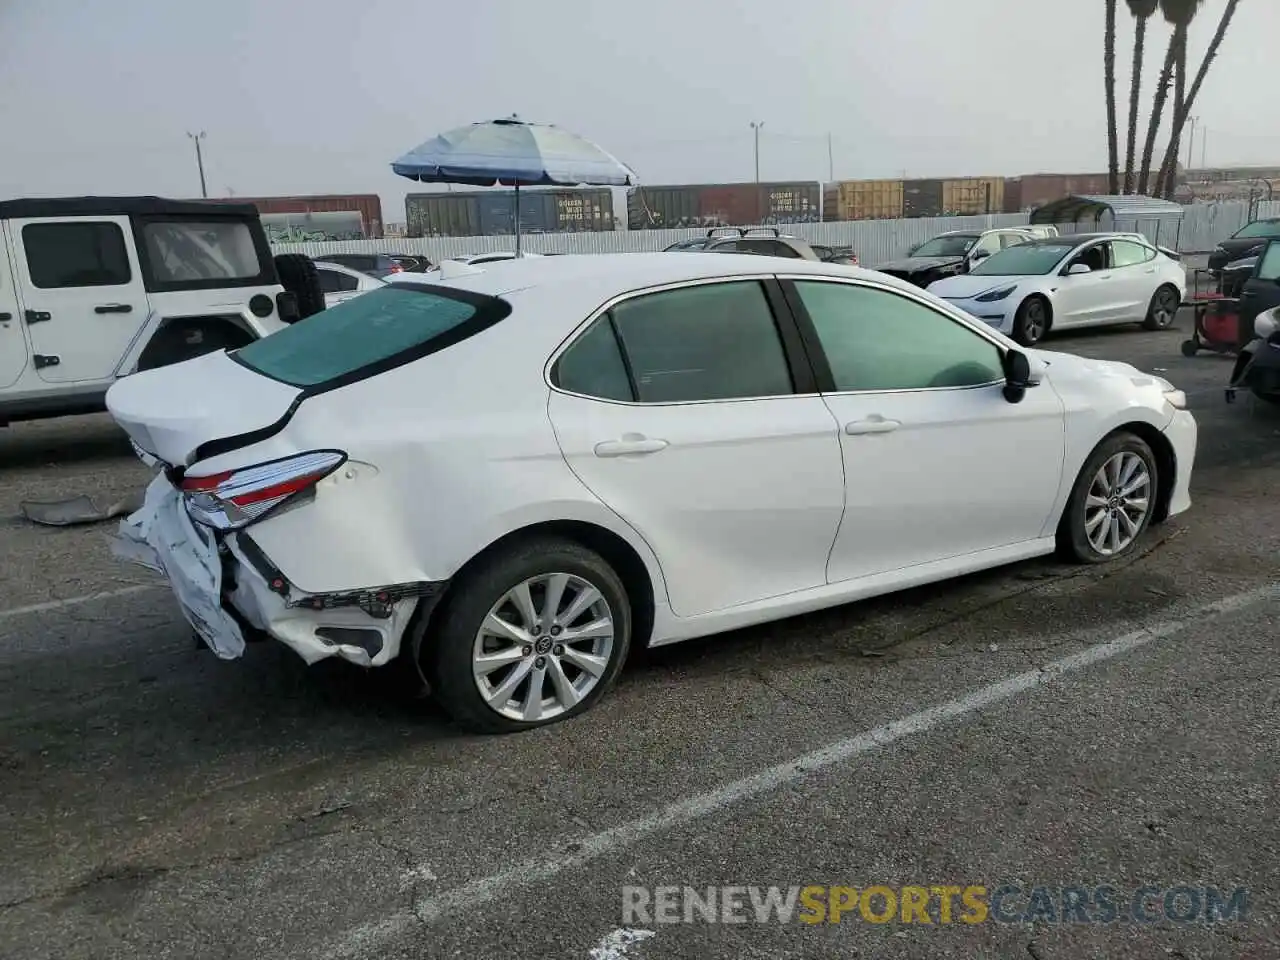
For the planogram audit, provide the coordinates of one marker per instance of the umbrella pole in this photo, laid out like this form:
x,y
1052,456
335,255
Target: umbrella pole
x,y
517,213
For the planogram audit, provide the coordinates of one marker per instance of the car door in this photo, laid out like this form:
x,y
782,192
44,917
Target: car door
x,y
689,412
13,342
82,292
1262,290
1083,299
1136,279
938,463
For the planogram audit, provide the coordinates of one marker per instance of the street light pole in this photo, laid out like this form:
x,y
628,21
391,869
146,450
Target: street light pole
x,y
197,137
757,126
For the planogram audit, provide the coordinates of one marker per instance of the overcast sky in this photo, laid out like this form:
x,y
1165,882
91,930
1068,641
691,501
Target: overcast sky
x,y
319,96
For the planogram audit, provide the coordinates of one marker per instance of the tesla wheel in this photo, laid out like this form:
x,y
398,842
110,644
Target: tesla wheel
x,y
1111,503
1163,309
534,636
1031,322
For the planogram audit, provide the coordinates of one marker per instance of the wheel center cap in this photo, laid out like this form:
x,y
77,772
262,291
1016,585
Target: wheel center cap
x,y
542,645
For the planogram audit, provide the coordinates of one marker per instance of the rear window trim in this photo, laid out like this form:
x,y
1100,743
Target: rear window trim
x,y
490,310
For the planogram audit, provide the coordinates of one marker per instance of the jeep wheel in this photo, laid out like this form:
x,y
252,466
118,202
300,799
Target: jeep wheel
x,y
299,276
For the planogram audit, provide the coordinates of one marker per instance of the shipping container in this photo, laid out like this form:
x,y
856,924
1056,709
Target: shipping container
x,y
1012,194
1036,189
922,198
491,213
966,196
867,200
662,207
367,205
784,203
313,227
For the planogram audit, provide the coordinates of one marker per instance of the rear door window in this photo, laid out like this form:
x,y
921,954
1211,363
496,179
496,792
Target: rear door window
x,y
371,333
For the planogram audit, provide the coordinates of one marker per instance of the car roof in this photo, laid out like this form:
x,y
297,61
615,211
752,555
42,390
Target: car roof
x,y
621,272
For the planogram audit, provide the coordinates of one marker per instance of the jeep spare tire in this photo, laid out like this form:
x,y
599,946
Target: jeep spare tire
x,y
298,275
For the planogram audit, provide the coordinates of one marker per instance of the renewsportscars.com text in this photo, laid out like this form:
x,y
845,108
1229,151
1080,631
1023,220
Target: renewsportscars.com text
x,y
933,904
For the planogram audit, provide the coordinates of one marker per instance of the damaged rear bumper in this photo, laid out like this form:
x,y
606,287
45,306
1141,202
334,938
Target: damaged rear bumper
x,y
228,590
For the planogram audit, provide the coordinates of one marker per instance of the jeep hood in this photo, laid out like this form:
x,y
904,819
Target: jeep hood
x,y
171,411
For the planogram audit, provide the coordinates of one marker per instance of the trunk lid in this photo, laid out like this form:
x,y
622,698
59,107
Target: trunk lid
x,y
171,411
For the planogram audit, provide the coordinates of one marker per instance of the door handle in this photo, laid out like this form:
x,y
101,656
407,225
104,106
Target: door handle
x,y
38,316
113,308
858,428
629,447
5,317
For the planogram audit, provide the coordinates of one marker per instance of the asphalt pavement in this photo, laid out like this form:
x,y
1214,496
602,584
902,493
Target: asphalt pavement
x,y
1037,726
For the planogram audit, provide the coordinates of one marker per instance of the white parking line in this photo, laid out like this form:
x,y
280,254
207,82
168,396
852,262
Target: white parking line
x,y
75,601
370,939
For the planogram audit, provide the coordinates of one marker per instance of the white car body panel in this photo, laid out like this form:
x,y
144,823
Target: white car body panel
x,y
451,452
1111,296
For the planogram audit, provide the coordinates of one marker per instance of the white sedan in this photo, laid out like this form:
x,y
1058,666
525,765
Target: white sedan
x,y
1081,280
340,283
505,478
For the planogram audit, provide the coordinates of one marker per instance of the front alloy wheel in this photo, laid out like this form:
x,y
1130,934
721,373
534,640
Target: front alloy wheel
x,y
1112,502
1163,310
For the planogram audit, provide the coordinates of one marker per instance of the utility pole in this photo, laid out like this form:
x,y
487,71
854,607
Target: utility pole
x,y
831,160
757,126
1191,143
1204,148
197,137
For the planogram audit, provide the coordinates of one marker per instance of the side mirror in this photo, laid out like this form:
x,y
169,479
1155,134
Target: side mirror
x,y
979,255
911,251
1017,375
1078,268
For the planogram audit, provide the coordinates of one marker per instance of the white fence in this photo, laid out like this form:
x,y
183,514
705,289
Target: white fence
x,y
875,241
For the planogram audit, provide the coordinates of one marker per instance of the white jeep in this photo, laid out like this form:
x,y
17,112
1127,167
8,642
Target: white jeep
x,y
95,288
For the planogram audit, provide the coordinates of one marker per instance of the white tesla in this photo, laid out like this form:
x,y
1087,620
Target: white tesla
x,y
1089,279
508,476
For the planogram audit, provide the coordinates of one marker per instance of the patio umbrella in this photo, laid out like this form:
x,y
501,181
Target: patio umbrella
x,y
513,153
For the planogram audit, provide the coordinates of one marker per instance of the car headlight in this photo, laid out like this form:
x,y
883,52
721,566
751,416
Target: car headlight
x,y
1174,396
1265,324
991,296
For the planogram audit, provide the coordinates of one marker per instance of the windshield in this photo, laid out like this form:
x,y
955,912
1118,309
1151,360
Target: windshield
x,y
370,333
950,246
1024,260
1260,228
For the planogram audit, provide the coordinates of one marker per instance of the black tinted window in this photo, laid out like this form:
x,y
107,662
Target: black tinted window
x,y
707,342
876,340
76,255
593,365
331,281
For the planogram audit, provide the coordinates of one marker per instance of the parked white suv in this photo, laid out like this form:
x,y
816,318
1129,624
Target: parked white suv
x,y
94,288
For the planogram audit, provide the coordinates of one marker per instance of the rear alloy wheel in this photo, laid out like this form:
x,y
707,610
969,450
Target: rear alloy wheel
x,y
535,637
1031,322
1112,501
1163,310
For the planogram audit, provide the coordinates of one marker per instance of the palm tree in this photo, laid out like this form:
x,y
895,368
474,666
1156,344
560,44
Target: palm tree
x,y
1142,11
1180,118
1173,13
1109,68
1184,11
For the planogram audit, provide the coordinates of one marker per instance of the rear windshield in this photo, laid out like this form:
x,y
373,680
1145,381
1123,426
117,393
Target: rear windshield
x,y
1259,228
370,333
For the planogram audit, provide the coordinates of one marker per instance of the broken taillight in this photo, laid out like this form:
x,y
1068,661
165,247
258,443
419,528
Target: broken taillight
x,y
236,498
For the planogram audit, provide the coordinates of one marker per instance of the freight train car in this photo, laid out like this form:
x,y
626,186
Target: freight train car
x,y
666,207
922,198
967,196
1036,189
491,213
863,200
340,210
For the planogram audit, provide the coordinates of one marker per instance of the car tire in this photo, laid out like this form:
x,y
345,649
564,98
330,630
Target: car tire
x,y
1032,321
299,276
449,654
1163,309
1097,501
